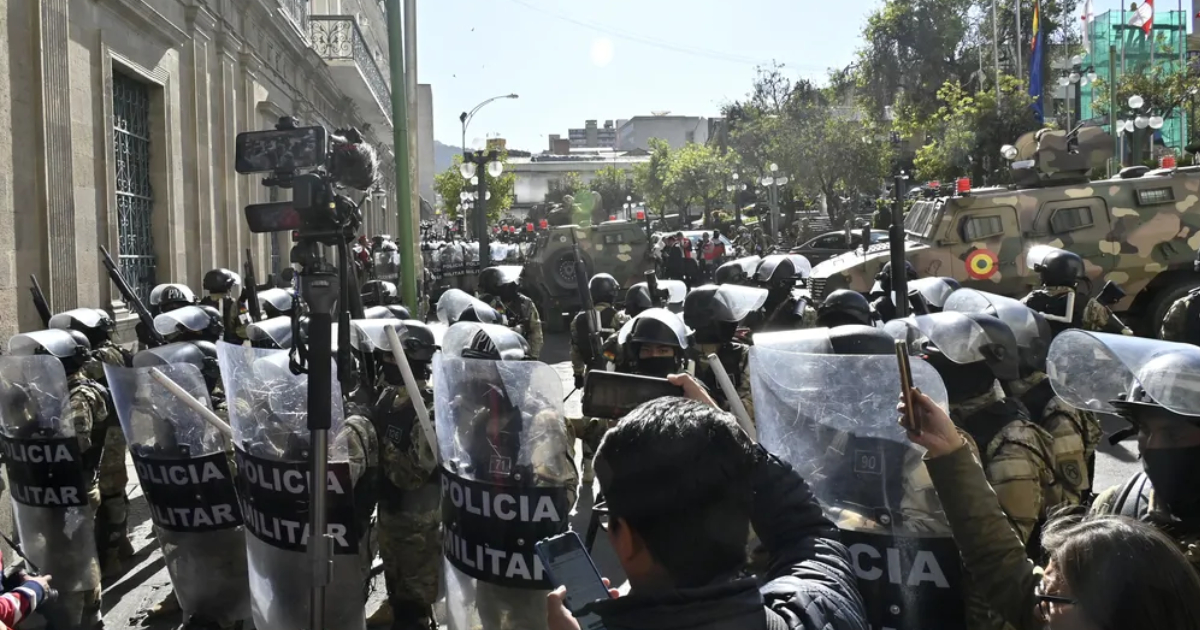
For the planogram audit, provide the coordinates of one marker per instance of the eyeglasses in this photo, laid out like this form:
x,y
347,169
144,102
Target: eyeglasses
x,y
602,514
1044,601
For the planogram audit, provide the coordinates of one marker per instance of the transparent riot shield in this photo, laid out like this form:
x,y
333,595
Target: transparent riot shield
x,y
1100,371
459,337
936,291
807,340
276,331
1017,316
833,417
955,334
184,466
192,318
508,481
749,264
45,468
740,300
387,263
669,320
455,304
280,299
803,267
268,414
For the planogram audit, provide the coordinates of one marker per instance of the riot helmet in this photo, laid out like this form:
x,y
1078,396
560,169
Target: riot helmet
x,y
1030,329
276,302
883,279
861,339
222,281
655,342
168,297
844,307
970,350
379,293
492,342
637,300
456,306
740,271
1056,267
500,281
274,333
935,291
603,288
714,311
190,323
399,311
92,322
71,347
776,271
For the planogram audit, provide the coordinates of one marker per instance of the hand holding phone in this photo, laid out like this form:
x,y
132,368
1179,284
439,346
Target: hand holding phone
x,y
568,564
909,418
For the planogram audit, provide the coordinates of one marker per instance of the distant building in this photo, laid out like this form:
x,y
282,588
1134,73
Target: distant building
x,y
592,136
636,132
535,174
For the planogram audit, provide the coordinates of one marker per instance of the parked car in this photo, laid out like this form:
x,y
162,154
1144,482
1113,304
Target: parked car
x,y
831,244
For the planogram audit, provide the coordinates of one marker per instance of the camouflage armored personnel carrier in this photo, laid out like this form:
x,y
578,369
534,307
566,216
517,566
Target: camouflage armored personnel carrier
x,y
620,248
1139,230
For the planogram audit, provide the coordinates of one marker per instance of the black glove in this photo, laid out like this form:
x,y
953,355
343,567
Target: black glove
x,y
578,381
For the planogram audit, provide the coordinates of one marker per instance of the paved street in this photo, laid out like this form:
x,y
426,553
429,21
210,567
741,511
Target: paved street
x,y
147,581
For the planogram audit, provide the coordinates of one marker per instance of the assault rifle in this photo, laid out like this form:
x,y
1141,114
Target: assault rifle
x,y
40,302
132,301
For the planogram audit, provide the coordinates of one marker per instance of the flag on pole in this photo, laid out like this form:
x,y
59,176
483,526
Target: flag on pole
x,y
1144,17
1035,67
1088,16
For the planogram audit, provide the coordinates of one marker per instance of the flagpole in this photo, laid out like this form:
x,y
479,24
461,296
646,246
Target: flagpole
x,y
1020,57
1181,42
1121,30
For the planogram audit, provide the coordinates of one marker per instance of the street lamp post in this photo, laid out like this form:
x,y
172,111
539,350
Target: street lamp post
x,y
773,182
473,168
1138,118
465,117
735,188
1073,80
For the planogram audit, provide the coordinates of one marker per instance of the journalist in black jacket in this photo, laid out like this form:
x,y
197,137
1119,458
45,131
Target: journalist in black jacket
x,y
682,485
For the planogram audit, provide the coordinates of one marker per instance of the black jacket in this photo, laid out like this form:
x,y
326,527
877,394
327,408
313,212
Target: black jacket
x,y
810,582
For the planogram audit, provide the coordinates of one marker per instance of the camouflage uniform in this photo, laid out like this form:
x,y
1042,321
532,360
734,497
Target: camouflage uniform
x,y
1095,317
410,542
1017,456
522,317
782,316
590,431
1076,434
88,413
1175,324
1151,511
112,517
735,358
362,447
619,318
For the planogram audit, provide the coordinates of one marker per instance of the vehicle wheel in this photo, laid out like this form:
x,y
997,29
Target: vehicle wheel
x,y
1156,310
560,269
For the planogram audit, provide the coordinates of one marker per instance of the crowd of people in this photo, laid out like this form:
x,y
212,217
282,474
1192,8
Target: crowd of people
x,y
795,483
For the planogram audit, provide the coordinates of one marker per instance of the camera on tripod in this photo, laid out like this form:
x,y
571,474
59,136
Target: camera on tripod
x,y
314,164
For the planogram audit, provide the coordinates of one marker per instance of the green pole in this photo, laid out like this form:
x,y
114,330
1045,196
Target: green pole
x,y
404,209
1112,105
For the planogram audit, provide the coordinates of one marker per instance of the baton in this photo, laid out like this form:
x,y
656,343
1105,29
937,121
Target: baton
x,y
735,403
571,394
414,394
33,568
189,400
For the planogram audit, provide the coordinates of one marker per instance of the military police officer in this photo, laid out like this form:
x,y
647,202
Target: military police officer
x,y
498,287
714,313
1182,322
1058,298
603,289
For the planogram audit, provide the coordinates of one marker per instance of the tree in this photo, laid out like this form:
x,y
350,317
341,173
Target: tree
x,y
569,184
650,178
450,184
968,130
614,186
697,176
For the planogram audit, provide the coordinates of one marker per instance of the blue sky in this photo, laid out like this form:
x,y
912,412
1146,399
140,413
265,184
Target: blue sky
x,y
572,60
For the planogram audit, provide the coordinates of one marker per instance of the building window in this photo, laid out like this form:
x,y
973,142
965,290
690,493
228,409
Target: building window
x,y
1068,219
977,228
135,199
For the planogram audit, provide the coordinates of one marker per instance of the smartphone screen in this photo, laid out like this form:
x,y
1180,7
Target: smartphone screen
x,y
613,394
569,565
286,149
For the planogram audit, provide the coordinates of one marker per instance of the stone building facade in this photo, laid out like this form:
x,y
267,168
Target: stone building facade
x,y
123,115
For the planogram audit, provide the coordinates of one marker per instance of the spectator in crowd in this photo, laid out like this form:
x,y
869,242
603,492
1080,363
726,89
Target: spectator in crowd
x,y
1104,572
661,509
20,595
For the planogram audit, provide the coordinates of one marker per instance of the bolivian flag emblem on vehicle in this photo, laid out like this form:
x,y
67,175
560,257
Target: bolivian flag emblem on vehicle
x,y
981,264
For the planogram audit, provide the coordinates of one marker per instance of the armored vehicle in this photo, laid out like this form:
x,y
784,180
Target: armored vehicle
x,y
619,248
1139,230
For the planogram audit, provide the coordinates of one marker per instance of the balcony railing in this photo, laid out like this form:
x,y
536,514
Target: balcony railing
x,y
337,37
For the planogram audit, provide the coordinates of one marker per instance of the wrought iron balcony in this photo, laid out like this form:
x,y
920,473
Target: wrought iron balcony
x,y
338,40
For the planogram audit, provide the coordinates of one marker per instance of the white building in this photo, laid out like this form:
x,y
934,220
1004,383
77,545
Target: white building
x,y
636,132
534,174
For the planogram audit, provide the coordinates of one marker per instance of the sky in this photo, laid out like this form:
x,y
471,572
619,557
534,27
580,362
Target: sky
x,y
575,60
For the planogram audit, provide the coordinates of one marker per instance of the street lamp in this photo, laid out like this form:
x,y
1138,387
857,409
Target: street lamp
x,y
772,183
465,117
1077,76
474,164
734,188
1137,118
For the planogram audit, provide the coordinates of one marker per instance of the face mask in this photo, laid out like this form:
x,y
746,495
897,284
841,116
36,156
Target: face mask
x,y
657,366
1175,473
391,373
963,382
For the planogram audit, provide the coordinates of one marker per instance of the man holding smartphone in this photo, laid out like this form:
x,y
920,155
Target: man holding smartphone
x,y
661,508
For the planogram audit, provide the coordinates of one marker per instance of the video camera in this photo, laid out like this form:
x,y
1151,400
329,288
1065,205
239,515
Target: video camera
x,y
314,164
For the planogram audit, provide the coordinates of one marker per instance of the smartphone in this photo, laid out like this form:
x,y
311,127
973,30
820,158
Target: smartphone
x,y
909,419
568,564
613,394
280,150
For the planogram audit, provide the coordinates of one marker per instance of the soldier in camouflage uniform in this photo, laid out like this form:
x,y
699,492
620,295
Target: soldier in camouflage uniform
x,y
87,412
603,289
409,509
714,315
498,288
1060,271
1182,322
112,533
787,308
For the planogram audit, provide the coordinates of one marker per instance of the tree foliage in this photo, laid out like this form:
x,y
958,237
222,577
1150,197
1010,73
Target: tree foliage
x,y
450,184
569,184
1162,89
614,186
968,129
697,177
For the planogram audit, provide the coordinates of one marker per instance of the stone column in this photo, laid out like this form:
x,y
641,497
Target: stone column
x,y
229,203
56,173
197,137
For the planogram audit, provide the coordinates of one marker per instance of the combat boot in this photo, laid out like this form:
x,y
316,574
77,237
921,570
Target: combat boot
x,y
413,616
382,617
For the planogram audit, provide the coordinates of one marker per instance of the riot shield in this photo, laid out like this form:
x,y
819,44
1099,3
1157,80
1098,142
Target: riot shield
x,y
89,317
276,331
803,267
268,414
676,290
506,342
1017,316
749,264
507,482
666,318
1036,254
192,318
451,257
807,340
183,466
387,263
959,338
279,299
46,472
455,304
936,291
833,417
740,300
1099,371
